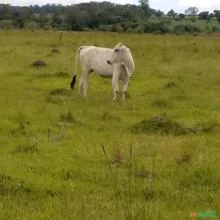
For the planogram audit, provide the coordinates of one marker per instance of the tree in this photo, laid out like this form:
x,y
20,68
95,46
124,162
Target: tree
x,y
192,11
217,14
204,15
159,13
211,15
182,16
4,11
171,13
144,4
25,13
56,20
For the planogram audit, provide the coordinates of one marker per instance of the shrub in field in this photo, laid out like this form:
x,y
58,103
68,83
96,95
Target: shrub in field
x,y
6,24
185,28
215,29
32,25
156,27
103,27
119,28
139,29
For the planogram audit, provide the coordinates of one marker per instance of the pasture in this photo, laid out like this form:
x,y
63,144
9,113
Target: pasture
x,y
156,156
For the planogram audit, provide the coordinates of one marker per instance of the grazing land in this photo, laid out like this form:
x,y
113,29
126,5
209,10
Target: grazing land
x,y
156,156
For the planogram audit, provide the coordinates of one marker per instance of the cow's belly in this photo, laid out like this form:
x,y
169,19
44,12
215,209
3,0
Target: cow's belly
x,y
103,70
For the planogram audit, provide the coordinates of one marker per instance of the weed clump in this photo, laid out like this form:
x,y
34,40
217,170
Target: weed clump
x,y
62,91
106,116
58,95
160,125
55,50
61,74
163,125
70,118
184,158
145,174
27,148
204,128
118,156
171,85
39,63
160,103
22,128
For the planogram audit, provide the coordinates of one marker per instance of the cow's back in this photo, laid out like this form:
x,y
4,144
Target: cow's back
x,y
95,59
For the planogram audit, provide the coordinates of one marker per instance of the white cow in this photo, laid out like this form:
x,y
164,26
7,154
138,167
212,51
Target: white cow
x,y
116,63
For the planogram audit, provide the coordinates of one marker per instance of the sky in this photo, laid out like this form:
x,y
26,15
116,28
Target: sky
x,y
164,5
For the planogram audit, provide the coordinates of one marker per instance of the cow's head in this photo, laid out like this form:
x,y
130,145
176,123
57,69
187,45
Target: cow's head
x,y
118,54
122,55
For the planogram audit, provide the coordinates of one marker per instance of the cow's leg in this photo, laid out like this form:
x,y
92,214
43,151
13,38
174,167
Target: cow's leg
x,y
124,87
115,86
83,82
80,85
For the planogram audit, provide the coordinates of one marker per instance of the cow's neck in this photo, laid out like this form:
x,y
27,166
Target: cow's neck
x,y
128,61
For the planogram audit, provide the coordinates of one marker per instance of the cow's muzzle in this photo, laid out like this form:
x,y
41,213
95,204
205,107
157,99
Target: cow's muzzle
x,y
109,62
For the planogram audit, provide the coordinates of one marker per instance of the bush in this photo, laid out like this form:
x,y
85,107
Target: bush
x,y
119,28
32,25
6,24
156,27
215,29
185,28
139,29
103,27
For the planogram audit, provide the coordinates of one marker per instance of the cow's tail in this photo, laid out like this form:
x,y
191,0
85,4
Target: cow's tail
x,y
75,69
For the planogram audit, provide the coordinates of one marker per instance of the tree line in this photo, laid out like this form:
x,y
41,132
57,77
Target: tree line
x,y
104,16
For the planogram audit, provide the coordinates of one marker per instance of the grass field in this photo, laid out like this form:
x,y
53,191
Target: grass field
x,y
156,156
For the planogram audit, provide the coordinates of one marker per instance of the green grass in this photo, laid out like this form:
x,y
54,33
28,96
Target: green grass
x,y
64,157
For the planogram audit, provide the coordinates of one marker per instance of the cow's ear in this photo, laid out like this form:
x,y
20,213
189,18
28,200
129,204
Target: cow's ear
x,y
119,44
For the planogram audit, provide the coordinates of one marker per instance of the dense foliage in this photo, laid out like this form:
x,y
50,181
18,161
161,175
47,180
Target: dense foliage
x,y
106,16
